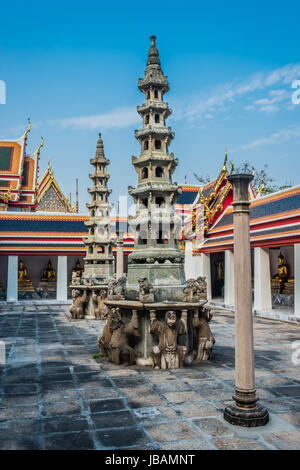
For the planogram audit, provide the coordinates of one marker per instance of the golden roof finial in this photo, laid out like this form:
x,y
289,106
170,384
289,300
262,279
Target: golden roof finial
x,y
40,146
225,161
253,172
259,189
28,130
185,179
232,167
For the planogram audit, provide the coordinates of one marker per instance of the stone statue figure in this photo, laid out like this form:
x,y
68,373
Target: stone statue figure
x,y
168,354
204,340
200,289
115,344
195,290
101,308
145,290
49,273
189,290
116,288
75,279
77,307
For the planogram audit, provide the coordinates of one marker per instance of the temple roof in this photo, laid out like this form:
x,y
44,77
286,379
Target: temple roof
x,y
50,197
274,221
18,172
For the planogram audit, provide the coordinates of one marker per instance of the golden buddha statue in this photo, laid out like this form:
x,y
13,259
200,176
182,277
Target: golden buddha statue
x,y
24,283
48,273
282,270
22,273
78,269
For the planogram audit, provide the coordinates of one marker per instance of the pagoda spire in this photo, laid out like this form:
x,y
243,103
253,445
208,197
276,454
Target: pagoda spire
x,y
155,222
99,257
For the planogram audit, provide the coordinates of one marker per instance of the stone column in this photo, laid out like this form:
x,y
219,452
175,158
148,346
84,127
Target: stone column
x,y
297,280
262,280
62,278
245,411
119,259
12,279
204,261
229,278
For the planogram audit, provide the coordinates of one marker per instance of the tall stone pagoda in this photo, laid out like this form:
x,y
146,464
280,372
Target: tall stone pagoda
x,y
98,262
156,255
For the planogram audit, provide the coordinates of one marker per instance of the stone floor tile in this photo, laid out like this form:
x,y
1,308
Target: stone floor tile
x,y
188,444
193,410
212,427
235,443
65,423
98,406
69,441
124,437
183,397
173,431
69,406
288,440
112,420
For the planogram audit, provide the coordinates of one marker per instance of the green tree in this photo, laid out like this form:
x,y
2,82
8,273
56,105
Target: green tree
x,y
261,177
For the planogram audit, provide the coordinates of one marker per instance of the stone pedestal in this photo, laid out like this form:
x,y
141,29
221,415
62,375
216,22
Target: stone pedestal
x,y
245,411
144,343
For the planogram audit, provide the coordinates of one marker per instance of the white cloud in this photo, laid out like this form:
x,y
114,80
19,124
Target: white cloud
x,y
279,137
225,95
118,118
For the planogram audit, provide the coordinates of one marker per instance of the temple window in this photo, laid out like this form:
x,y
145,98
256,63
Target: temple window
x,y
145,172
148,95
156,118
90,249
155,94
92,231
147,119
159,172
146,145
159,201
157,144
144,202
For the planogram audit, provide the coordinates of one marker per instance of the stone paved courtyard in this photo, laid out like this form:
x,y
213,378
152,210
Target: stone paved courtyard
x,y
54,395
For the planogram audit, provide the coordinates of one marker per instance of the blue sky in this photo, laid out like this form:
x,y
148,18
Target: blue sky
x,y
73,67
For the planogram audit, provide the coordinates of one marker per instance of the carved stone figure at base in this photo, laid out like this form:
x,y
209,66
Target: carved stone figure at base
x,y
104,340
201,289
101,308
145,290
75,279
116,288
188,291
117,348
204,340
77,307
168,354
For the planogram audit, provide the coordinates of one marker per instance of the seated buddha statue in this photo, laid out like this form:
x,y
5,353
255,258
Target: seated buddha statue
x,y
48,273
78,269
282,272
22,273
24,283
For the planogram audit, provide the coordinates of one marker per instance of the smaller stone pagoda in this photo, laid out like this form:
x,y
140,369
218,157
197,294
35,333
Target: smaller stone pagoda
x,y
89,291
